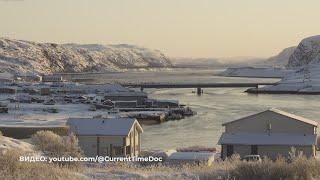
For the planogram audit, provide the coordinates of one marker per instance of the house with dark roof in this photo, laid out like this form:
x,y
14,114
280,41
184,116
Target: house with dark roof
x,y
114,137
270,133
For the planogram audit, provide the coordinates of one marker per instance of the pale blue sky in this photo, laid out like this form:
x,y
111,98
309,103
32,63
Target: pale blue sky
x,y
196,28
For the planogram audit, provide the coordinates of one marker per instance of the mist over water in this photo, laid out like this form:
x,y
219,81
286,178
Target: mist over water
x,y
214,107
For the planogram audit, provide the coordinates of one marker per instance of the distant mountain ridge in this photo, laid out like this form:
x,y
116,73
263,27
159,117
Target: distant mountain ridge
x,y
25,56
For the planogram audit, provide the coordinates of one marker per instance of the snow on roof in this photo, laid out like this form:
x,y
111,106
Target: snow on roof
x,y
191,156
266,139
103,127
283,113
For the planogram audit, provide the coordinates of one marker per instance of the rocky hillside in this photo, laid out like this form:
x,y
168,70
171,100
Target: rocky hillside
x,y
308,51
24,56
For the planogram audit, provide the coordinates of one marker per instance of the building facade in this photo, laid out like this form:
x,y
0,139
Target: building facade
x,y
271,133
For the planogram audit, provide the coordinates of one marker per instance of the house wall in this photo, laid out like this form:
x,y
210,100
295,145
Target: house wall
x,y
279,124
107,141
89,144
242,150
134,141
272,151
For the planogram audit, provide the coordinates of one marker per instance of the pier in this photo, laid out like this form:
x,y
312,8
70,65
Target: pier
x,y
199,86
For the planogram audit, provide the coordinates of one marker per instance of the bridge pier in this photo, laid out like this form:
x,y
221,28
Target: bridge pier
x,y
199,91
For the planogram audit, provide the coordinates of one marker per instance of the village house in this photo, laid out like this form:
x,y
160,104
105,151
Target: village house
x,y
113,137
269,133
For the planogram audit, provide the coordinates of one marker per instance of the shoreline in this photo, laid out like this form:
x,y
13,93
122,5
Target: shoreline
x,y
257,91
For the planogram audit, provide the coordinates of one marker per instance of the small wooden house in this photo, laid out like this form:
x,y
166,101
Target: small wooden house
x,y
270,133
107,137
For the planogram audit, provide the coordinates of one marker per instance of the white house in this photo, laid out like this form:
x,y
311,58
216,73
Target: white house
x,y
269,133
107,137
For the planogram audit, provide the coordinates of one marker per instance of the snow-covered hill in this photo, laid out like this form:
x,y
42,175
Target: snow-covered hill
x,y
273,67
308,51
24,56
281,59
305,63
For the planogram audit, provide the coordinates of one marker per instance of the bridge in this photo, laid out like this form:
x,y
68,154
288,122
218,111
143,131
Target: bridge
x,y
198,86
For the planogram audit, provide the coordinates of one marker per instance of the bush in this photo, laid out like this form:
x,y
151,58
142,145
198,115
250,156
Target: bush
x,y
54,145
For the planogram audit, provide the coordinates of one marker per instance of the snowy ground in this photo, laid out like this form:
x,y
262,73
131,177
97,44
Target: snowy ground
x,y
33,114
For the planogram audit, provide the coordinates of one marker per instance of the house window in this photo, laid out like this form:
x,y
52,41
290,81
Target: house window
x,y
254,150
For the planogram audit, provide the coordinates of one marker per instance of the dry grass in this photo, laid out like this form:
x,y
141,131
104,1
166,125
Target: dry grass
x,y
12,169
300,168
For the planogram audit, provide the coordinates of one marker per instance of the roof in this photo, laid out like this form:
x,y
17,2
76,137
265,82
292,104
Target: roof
x,y
102,127
283,113
191,156
266,139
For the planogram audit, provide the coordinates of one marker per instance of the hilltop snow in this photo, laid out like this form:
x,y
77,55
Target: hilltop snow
x,y
25,56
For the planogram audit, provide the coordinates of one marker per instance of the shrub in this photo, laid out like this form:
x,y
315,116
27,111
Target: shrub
x,y
54,145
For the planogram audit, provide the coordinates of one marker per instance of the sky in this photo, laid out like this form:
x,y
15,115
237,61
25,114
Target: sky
x,y
179,28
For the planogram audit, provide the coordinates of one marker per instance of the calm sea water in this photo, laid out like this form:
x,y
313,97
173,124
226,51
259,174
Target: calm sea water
x,y
214,107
